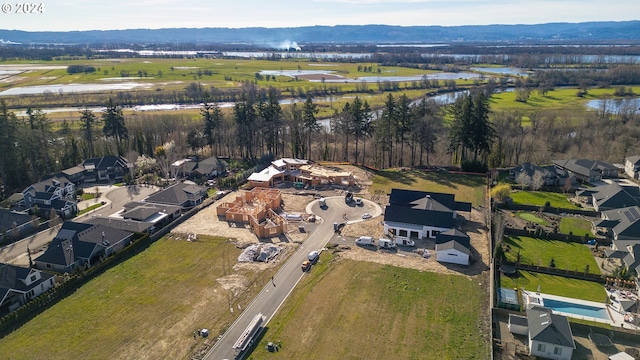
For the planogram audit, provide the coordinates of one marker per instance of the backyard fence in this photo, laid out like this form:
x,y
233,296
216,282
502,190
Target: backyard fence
x,y
580,275
547,209
554,236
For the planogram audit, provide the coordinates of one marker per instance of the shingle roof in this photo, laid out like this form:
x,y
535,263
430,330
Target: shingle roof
x,y
545,326
585,167
403,214
176,194
11,276
8,218
635,160
615,196
452,244
453,234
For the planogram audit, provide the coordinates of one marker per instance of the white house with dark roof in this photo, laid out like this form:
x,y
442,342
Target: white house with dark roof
x,y
421,214
18,285
632,166
548,335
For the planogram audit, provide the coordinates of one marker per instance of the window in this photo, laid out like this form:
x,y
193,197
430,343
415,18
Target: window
x,y
402,233
434,233
33,278
541,347
557,351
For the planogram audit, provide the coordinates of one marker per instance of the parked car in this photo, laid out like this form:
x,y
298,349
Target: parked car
x,y
306,265
313,256
366,216
365,240
358,201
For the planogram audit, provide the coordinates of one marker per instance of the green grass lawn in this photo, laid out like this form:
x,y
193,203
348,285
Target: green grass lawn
x,y
146,307
575,226
375,311
469,188
534,219
567,256
86,210
539,198
556,285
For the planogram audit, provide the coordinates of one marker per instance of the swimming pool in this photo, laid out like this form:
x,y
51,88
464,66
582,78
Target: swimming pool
x,y
577,309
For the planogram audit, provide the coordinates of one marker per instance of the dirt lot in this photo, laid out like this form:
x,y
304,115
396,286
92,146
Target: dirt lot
x,y
474,227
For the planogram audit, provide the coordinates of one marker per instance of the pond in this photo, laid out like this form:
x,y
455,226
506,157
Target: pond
x,y
502,70
614,106
333,77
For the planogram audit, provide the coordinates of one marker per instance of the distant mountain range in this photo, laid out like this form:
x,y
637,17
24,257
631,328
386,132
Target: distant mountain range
x,y
587,32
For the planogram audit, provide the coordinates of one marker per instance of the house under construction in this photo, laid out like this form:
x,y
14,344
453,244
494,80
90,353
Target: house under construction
x,y
257,208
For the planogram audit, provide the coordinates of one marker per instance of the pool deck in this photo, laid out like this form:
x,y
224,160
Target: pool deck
x,y
615,318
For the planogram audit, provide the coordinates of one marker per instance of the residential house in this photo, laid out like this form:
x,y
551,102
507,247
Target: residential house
x,y
203,169
611,196
319,175
181,194
78,245
140,217
281,170
586,170
56,193
453,246
548,335
18,285
106,168
14,224
534,176
421,214
632,166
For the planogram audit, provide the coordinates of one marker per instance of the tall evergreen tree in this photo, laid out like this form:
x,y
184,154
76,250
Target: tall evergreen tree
x,y
311,125
87,119
114,124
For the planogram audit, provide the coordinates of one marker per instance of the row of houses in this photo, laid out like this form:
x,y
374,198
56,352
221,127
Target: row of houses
x,y
80,245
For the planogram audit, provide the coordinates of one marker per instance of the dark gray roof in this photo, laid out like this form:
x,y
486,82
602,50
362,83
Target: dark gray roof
x,y
453,234
518,320
177,194
106,162
452,244
168,209
615,196
80,240
48,185
406,215
547,327
585,167
11,277
208,165
8,218
140,213
122,224
632,259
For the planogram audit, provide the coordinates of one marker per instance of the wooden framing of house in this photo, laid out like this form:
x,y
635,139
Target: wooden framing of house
x,y
256,208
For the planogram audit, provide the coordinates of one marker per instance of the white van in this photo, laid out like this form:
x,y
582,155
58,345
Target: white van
x,y
365,240
386,243
323,202
405,242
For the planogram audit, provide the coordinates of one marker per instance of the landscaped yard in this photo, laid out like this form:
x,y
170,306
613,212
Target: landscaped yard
x,y
540,198
360,310
469,188
145,308
531,217
556,285
575,226
566,255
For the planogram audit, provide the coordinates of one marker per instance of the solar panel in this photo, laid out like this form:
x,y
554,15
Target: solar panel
x,y
632,214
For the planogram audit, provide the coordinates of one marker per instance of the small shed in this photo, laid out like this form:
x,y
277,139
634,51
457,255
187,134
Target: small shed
x,y
453,252
518,324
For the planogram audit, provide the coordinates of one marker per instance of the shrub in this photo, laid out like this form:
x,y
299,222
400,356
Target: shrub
x,y
552,263
474,166
547,204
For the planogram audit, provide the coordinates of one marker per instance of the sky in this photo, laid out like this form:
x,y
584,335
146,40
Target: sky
x,y
69,15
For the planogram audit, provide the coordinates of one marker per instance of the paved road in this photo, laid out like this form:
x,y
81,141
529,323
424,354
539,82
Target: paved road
x,y
115,197
271,297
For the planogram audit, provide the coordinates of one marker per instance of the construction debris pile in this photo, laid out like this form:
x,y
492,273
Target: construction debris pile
x,y
259,252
